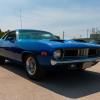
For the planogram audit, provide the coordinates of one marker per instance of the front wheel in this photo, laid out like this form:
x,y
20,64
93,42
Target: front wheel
x,y
32,68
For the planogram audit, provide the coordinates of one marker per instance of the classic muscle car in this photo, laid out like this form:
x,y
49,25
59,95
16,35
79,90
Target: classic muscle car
x,y
40,50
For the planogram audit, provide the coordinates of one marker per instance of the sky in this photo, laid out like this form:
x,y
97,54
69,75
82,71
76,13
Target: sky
x,y
73,17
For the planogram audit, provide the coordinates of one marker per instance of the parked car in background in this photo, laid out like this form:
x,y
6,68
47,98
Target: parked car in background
x,y
95,41
39,51
80,40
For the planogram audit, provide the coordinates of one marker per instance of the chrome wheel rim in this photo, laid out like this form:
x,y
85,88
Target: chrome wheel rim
x,y
31,65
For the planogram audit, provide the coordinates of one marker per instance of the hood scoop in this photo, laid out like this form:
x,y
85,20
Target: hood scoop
x,y
58,40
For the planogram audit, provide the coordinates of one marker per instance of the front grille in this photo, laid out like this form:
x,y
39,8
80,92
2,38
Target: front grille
x,y
98,52
71,52
81,52
92,52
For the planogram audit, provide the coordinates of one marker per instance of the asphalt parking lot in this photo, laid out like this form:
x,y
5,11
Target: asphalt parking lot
x,y
14,85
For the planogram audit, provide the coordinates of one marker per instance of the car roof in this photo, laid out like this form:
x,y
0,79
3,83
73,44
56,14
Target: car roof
x,y
18,30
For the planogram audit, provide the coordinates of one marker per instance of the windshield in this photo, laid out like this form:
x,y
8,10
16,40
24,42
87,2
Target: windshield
x,y
36,35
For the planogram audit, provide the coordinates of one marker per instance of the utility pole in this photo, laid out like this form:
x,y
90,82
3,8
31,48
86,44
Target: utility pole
x,y
80,36
96,30
63,35
87,32
21,18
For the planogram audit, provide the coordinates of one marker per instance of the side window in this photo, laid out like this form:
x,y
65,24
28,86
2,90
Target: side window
x,y
11,36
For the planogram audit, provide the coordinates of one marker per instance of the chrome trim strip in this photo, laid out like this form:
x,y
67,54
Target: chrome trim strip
x,y
83,52
54,62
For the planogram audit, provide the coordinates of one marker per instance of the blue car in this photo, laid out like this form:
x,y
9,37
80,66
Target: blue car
x,y
39,51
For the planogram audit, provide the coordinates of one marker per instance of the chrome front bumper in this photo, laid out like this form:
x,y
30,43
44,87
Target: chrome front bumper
x,y
54,62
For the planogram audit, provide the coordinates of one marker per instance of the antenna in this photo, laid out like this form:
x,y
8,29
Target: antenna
x,y
21,18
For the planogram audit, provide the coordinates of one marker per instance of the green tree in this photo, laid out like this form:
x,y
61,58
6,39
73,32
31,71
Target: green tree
x,y
1,33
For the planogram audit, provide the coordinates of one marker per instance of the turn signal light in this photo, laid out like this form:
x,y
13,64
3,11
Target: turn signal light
x,y
43,53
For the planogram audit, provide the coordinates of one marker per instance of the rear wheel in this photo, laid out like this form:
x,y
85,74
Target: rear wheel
x,y
80,67
84,66
32,68
2,60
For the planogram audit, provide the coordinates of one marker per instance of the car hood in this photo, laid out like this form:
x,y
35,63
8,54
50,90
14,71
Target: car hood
x,y
53,44
68,44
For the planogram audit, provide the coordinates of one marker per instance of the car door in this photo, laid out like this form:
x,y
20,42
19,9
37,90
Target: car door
x,y
9,47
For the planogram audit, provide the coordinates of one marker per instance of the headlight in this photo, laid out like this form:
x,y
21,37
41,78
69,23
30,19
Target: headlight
x,y
57,54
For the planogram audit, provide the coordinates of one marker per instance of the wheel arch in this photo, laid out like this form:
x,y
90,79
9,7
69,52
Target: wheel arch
x,y
25,54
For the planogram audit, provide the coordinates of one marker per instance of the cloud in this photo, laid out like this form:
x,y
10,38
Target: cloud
x,y
54,20
72,16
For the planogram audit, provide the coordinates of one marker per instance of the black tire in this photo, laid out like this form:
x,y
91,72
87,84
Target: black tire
x,y
2,60
80,67
32,68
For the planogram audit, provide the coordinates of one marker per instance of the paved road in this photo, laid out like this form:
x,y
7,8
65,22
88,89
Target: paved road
x,y
14,85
